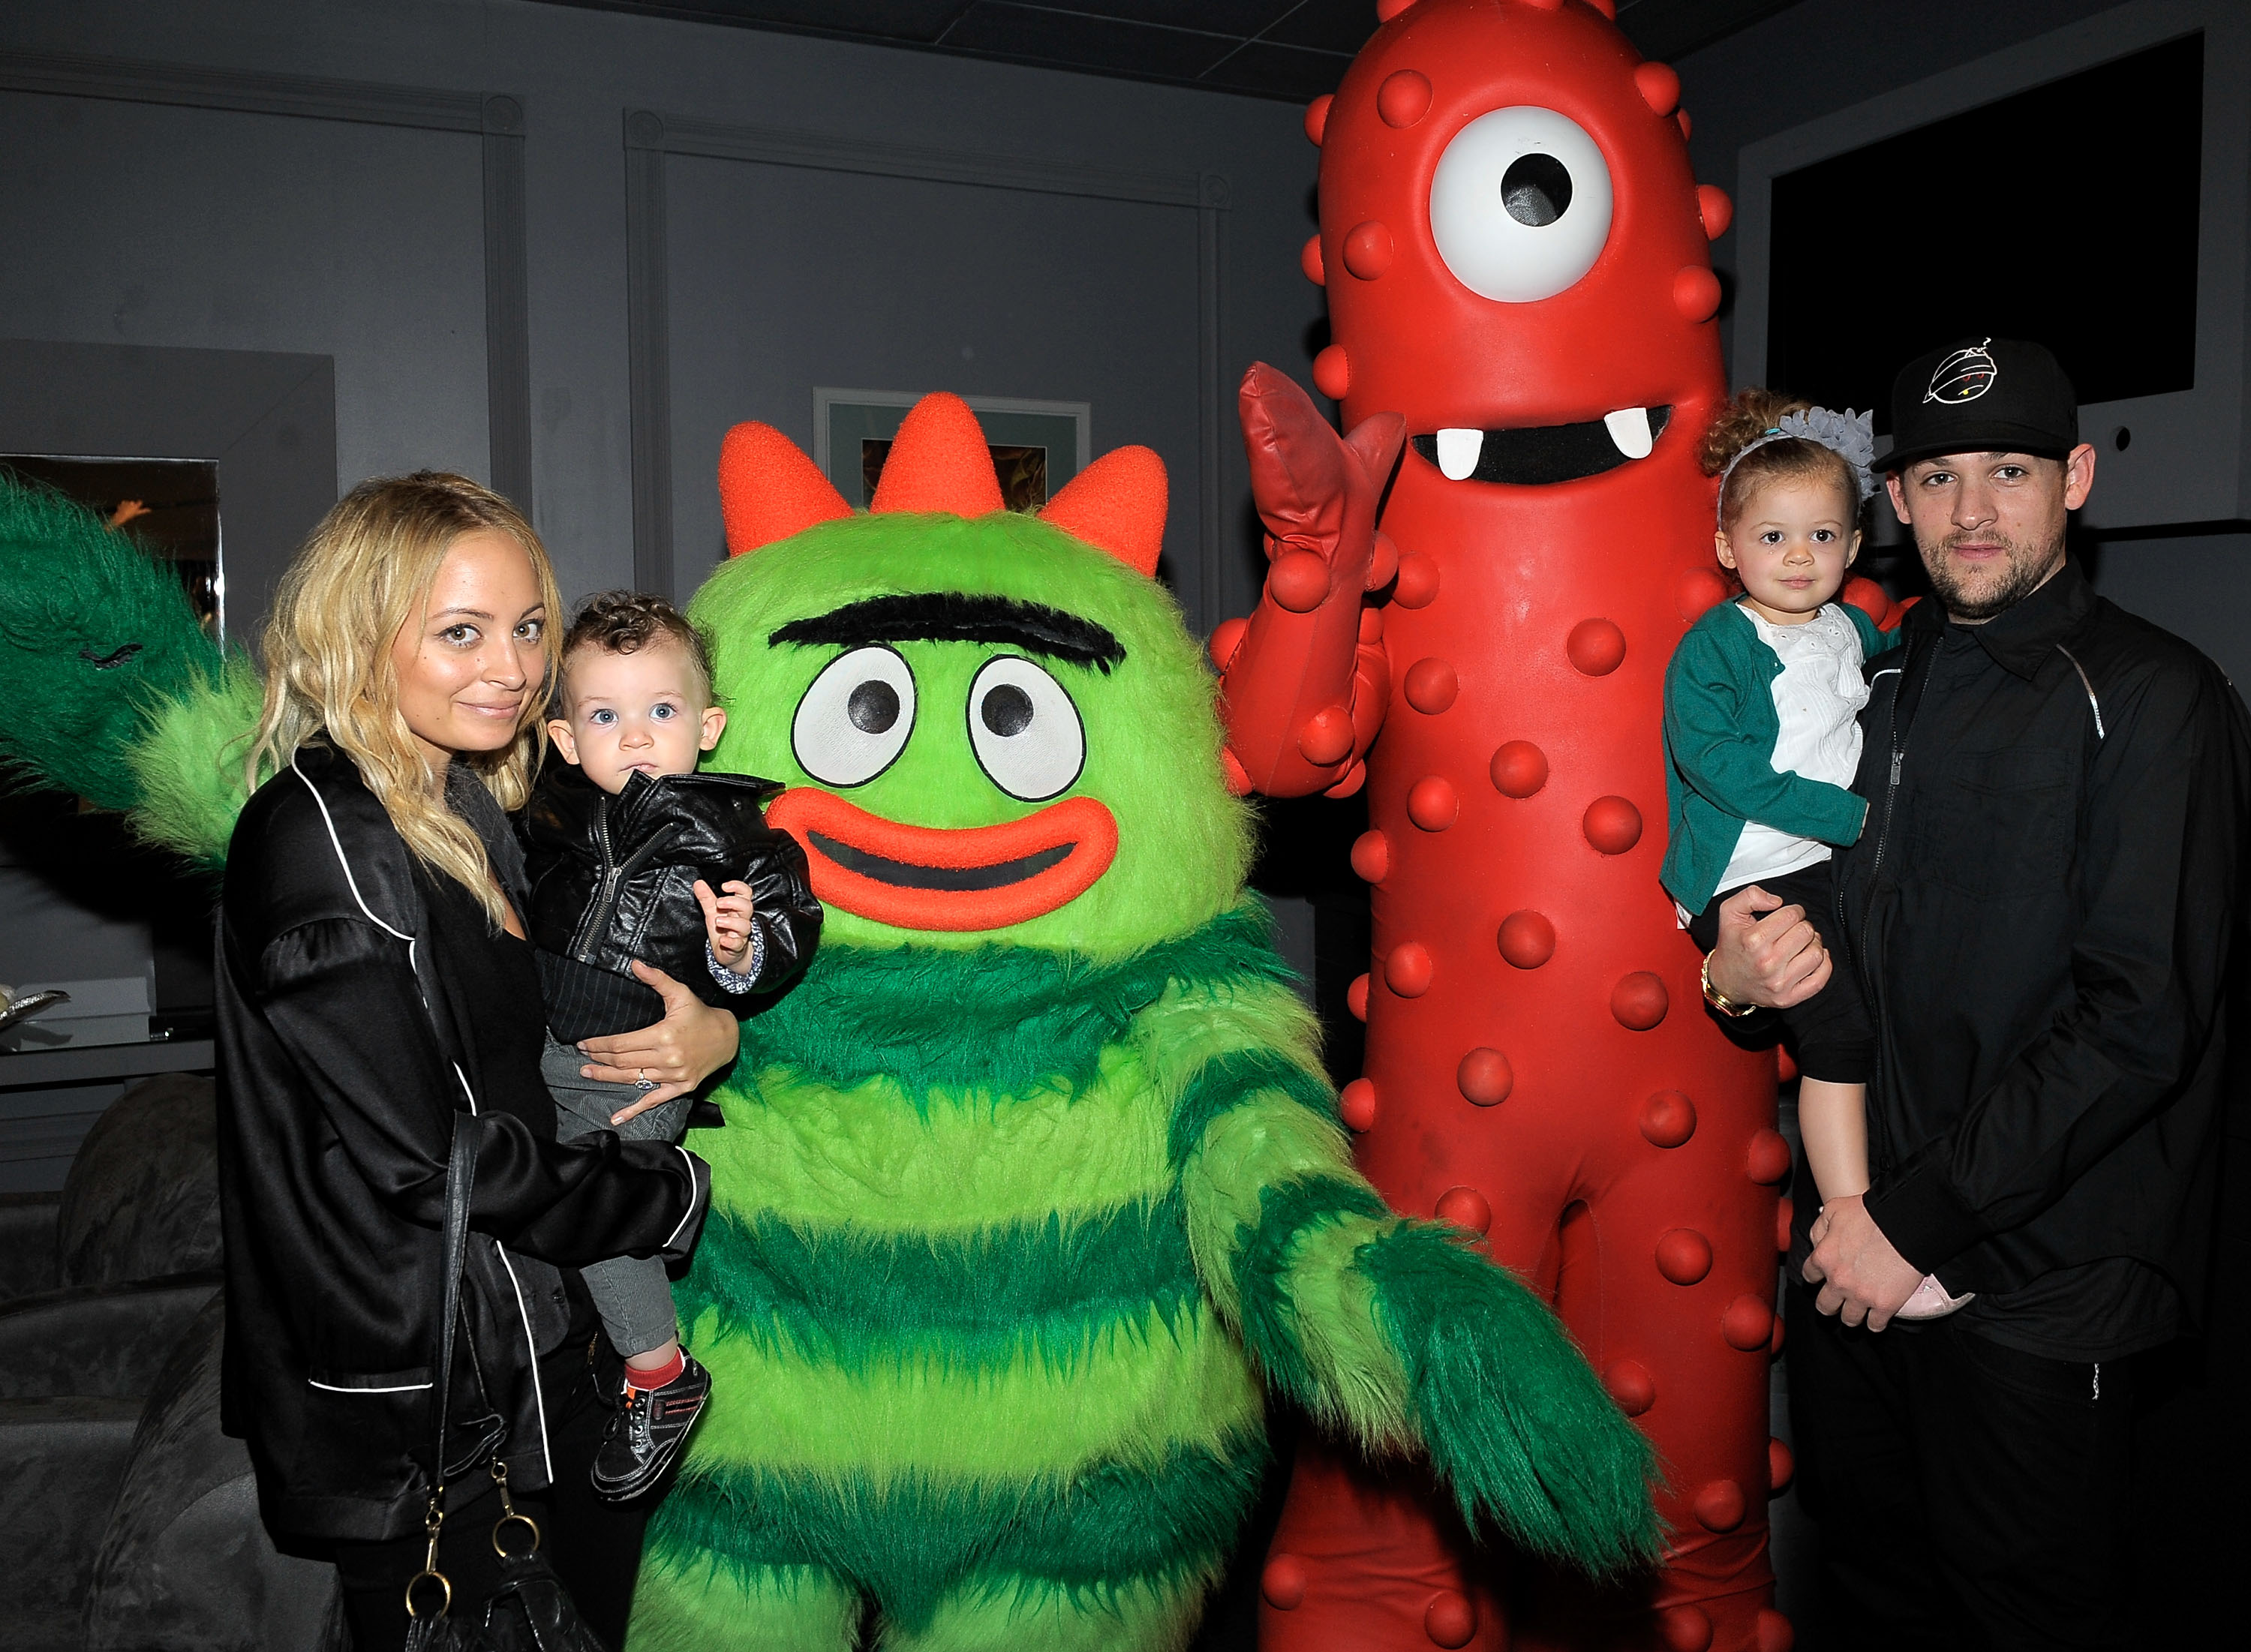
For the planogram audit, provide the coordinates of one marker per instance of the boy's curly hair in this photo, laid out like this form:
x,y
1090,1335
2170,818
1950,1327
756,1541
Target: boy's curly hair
x,y
623,622
1750,414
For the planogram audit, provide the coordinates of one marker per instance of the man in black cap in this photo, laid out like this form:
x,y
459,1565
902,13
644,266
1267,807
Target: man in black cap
x,y
2043,909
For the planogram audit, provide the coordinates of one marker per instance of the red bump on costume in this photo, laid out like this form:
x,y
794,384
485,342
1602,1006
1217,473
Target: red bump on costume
x,y
1785,1068
1367,250
939,461
1596,647
1326,736
1431,803
1668,1118
1781,1329
1766,1161
1282,1582
1699,589
1773,1631
1629,1383
1720,1506
1317,117
1684,1255
1715,208
1680,117
1332,372
1484,1077
1239,783
1298,580
1431,686
1387,10
1371,856
1528,939
1403,98
1869,597
1519,769
1407,972
1660,84
1748,1324
1465,1207
1781,1465
1638,1000
1354,777
1612,824
1418,581
1695,293
1355,997
769,489
1449,1619
1784,1212
1309,260
1686,1628
1371,624
1356,1105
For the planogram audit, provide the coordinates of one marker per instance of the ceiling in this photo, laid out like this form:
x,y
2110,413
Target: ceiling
x,y
1287,49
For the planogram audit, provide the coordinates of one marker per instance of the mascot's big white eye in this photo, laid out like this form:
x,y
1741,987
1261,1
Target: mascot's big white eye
x,y
1521,204
1025,729
854,720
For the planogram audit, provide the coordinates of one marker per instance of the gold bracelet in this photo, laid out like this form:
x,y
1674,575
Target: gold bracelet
x,y
1720,1000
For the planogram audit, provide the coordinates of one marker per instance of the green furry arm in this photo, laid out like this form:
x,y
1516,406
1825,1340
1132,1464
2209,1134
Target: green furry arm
x,y
136,706
1390,1329
188,764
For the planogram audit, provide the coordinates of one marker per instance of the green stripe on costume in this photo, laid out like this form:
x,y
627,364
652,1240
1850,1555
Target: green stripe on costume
x,y
910,1541
1139,1389
974,1301
819,1156
989,1021
1227,1081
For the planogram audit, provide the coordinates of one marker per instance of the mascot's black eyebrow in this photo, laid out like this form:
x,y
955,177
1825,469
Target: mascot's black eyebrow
x,y
955,616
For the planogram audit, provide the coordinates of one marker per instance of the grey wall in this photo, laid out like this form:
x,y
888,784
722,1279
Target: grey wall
x,y
1821,56
137,223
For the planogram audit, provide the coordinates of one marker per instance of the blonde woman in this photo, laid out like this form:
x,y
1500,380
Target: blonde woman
x,y
373,982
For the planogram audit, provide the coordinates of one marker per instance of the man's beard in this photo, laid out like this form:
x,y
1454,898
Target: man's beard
x,y
2025,571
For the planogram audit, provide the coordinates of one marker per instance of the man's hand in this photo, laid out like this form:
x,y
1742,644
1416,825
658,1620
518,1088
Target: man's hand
x,y
693,1041
1860,1276
1775,961
727,920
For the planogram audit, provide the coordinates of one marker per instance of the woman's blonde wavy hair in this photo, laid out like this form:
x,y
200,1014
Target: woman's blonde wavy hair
x,y
366,572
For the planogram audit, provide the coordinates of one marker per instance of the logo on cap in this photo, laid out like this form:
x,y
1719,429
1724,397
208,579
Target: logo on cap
x,y
1964,376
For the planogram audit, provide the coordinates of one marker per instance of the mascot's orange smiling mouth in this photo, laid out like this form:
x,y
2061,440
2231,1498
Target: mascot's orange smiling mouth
x,y
956,878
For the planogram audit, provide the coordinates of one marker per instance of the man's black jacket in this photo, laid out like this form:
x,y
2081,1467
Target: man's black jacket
x,y
342,1064
2044,907
613,880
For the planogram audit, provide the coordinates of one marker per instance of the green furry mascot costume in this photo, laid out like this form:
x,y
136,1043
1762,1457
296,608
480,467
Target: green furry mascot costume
x,y
1032,1188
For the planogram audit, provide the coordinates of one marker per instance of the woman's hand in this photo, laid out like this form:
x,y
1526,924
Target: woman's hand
x,y
693,1041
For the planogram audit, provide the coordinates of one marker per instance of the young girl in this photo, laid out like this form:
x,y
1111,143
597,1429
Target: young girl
x,y
1763,737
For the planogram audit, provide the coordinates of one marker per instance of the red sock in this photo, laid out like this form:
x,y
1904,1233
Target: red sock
x,y
649,1379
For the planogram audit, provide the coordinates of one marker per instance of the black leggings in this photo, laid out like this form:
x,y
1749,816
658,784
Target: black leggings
x,y
594,1546
1830,1035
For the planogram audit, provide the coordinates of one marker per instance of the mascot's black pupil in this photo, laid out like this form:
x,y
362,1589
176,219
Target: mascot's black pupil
x,y
874,706
1007,711
1536,189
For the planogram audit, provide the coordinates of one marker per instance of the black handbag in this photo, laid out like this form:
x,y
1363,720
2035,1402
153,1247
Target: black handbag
x,y
530,1611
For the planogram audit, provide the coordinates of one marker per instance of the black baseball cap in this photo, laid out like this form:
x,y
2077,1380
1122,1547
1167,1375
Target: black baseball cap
x,y
1982,396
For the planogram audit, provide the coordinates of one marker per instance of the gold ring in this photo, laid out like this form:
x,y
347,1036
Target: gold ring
x,y
444,1606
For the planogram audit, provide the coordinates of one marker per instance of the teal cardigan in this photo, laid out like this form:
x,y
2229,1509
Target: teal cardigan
x,y
1721,728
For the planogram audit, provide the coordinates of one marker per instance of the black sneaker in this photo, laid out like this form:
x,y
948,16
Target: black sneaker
x,y
648,1432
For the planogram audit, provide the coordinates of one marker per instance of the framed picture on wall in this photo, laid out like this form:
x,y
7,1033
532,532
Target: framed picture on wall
x,y
1038,446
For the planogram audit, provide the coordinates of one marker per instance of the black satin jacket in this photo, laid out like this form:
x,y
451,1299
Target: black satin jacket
x,y
342,1064
611,880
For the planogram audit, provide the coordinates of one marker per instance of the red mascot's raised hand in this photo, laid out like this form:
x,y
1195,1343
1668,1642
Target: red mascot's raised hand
x,y
1306,677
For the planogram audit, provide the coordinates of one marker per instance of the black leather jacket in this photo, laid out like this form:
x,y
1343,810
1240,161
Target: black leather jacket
x,y
341,1063
2044,908
611,880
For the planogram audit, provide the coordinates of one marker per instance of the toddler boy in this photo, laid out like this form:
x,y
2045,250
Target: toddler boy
x,y
632,855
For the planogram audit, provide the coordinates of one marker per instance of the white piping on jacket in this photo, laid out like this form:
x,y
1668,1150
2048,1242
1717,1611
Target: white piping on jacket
x,y
339,1388
690,1211
2087,683
530,1342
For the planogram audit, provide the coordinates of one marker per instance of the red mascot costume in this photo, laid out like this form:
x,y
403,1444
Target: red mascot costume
x,y
1514,252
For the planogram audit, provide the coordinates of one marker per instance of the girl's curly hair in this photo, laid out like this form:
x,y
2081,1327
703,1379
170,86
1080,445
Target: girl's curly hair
x,y
1750,414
